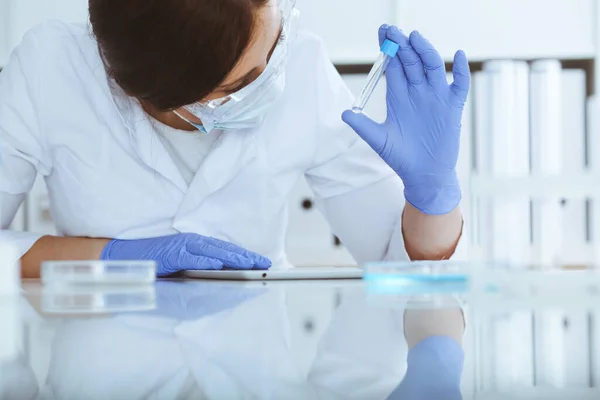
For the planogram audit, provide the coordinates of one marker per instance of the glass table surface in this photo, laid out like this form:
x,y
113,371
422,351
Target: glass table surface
x,y
337,339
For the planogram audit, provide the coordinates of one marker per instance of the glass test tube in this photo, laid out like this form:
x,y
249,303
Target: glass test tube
x,y
388,51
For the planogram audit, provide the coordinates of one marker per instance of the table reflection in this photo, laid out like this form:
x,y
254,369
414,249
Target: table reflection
x,y
226,340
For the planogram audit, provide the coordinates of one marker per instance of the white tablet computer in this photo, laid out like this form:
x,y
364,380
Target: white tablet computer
x,y
300,273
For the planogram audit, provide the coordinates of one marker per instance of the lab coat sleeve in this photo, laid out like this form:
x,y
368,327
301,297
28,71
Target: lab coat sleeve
x,y
22,149
360,195
369,221
379,234
17,380
363,351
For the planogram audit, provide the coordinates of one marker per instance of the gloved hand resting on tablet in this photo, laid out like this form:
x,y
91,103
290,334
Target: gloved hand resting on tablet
x,y
185,251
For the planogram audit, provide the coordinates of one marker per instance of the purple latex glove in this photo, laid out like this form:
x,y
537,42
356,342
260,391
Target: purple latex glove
x,y
421,136
434,372
185,251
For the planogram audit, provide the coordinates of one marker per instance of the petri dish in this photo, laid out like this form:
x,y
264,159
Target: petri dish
x,y
98,300
98,272
420,277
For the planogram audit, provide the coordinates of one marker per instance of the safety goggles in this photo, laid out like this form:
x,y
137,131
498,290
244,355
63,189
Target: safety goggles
x,y
219,108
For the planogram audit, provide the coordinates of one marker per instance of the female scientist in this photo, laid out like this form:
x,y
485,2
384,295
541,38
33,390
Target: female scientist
x,y
174,130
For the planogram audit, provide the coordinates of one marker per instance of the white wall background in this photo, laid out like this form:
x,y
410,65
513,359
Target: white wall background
x,y
505,28
18,16
484,29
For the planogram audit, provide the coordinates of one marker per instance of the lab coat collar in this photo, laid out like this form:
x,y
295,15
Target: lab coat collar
x,y
144,139
232,152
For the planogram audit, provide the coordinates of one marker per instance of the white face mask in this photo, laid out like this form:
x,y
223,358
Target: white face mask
x,y
247,108
247,114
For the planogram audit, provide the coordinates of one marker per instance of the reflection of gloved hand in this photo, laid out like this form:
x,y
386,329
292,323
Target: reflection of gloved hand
x,y
421,135
185,251
192,300
434,371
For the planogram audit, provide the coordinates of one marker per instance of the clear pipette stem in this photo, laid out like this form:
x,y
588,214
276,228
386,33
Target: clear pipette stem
x,y
388,50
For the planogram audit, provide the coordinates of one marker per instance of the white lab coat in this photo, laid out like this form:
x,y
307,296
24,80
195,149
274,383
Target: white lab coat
x,y
17,380
108,174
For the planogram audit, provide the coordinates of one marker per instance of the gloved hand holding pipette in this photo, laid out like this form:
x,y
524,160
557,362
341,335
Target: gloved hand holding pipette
x,y
421,136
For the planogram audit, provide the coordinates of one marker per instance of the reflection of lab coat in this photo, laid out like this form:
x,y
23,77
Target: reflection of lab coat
x,y
17,380
109,175
241,353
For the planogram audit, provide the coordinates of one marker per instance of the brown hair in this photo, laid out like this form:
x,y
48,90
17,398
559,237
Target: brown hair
x,y
171,53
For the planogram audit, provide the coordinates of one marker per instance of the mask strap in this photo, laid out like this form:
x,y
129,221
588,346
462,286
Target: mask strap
x,y
197,126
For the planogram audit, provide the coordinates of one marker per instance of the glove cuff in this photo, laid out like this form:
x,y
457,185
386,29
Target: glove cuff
x,y
105,255
433,194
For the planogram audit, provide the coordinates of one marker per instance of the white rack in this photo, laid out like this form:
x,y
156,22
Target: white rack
x,y
586,185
